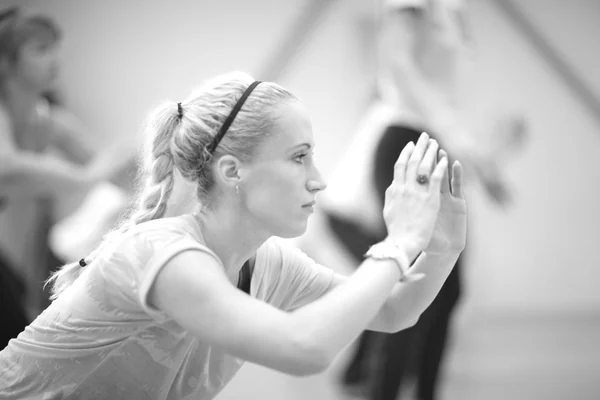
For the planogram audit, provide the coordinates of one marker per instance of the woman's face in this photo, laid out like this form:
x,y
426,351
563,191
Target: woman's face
x,y
37,64
280,184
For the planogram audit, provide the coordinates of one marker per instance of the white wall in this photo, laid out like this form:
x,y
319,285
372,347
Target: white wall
x,y
542,255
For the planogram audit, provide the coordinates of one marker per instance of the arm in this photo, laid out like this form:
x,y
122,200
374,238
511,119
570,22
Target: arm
x,y
24,173
103,162
401,44
407,301
302,342
71,138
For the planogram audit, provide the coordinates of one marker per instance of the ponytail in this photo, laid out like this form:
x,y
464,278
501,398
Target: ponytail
x,y
159,169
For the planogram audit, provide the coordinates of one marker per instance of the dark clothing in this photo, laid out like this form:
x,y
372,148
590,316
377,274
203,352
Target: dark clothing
x,y
12,293
422,345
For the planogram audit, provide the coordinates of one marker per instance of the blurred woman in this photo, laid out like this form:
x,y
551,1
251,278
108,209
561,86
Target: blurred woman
x,y
44,153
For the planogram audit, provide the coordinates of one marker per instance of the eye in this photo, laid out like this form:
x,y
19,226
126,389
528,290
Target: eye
x,y
300,158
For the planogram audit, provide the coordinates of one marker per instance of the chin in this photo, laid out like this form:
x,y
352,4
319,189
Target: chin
x,y
290,232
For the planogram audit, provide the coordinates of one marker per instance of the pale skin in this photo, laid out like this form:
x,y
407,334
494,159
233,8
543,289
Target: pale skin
x,y
274,189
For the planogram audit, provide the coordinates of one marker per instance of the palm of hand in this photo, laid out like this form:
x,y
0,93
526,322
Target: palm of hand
x,y
449,234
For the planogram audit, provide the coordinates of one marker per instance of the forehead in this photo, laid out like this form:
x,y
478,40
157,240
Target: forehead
x,y
36,31
291,127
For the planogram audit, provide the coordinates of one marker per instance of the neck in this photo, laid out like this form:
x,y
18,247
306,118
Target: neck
x,y
20,100
235,238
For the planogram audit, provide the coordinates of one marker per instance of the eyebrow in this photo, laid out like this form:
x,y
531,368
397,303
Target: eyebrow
x,y
307,145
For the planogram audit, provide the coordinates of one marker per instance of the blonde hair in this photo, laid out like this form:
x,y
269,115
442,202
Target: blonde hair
x,y
181,143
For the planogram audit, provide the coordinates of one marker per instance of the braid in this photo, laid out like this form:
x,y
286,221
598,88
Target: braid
x,y
159,186
154,197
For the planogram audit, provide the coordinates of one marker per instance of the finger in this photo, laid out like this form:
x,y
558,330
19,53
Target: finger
x,y
445,184
416,157
428,162
401,162
438,175
457,180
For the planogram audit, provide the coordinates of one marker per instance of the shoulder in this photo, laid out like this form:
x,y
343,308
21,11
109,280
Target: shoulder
x,y
291,278
275,250
277,255
147,247
166,230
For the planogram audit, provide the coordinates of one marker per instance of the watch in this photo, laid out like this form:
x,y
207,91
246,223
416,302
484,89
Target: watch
x,y
387,250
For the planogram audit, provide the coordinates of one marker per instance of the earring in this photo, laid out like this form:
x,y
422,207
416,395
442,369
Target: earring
x,y
237,189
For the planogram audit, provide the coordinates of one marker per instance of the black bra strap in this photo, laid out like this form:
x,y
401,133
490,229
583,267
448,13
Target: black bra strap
x,y
245,278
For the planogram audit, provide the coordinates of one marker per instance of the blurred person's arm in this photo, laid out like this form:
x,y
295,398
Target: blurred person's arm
x,y
401,43
26,174
104,161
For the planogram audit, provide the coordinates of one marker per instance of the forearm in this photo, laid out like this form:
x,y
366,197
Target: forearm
x,y
112,160
333,321
27,174
408,301
104,157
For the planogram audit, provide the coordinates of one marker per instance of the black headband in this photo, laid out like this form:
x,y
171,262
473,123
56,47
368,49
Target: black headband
x,y
231,117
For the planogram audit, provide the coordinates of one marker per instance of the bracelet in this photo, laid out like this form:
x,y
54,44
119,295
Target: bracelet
x,y
388,250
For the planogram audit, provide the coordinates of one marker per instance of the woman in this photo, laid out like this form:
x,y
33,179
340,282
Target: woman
x,y
159,310
43,154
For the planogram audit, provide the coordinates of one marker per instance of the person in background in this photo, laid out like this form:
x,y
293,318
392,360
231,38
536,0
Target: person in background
x,y
44,153
424,47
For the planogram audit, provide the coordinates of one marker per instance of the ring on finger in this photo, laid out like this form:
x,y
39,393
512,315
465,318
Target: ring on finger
x,y
422,179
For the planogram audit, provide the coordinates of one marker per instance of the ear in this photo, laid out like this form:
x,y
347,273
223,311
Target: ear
x,y
228,170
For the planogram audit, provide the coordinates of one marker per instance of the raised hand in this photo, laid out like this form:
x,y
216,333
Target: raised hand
x,y
412,201
450,232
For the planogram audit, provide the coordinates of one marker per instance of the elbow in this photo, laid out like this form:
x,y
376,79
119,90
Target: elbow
x,y
403,324
398,320
309,368
310,359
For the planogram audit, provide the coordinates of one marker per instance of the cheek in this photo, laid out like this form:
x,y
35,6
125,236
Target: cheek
x,y
277,188
35,65
28,67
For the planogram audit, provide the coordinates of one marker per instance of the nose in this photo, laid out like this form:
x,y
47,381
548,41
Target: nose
x,y
316,183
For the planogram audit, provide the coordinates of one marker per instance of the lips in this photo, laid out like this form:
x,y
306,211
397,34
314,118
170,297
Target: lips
x,y
312,203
